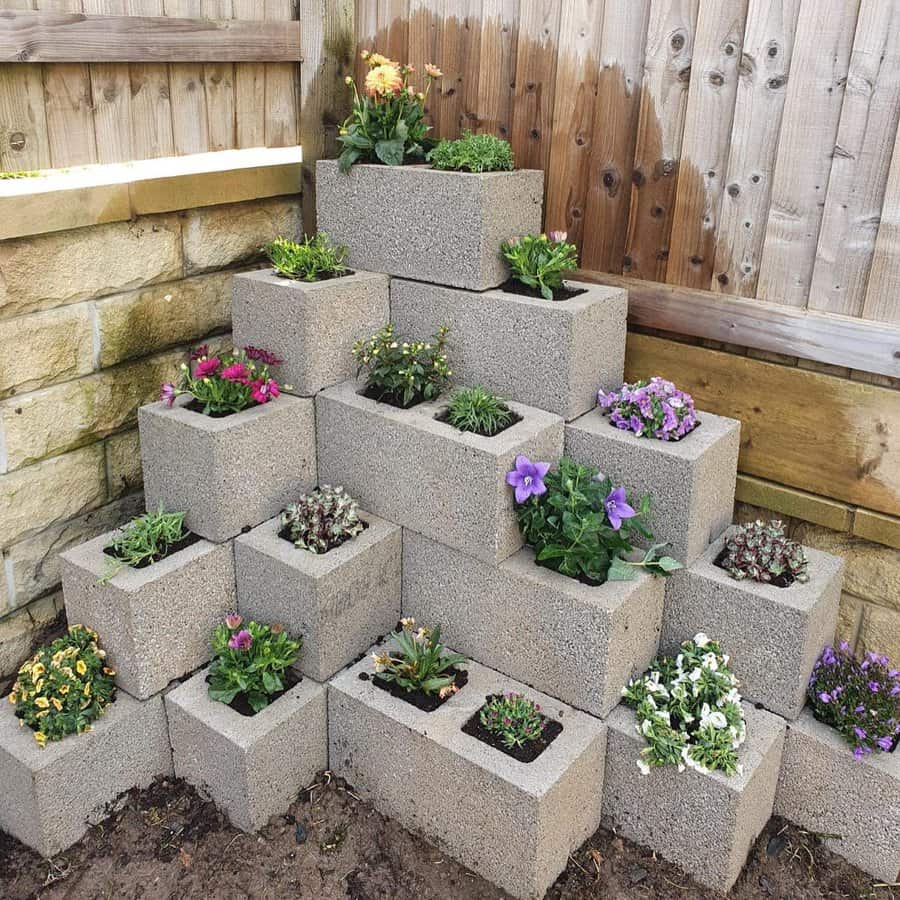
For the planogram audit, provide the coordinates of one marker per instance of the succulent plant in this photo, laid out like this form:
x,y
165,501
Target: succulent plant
x,y
322,519
762,552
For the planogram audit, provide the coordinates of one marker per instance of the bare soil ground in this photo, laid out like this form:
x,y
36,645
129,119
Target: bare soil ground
x,y
166,843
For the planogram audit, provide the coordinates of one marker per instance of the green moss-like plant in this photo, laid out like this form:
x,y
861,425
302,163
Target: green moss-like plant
x,y
473,153
313,260
478,410
144,541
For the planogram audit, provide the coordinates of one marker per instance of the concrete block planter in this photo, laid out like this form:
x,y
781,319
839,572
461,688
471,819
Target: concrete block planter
x,y
824,789
773,635
552,355
312,326
49,797
417,222
252,767
227,473
704,823
156,621
341,601
411,468
576,642
514,823
691,480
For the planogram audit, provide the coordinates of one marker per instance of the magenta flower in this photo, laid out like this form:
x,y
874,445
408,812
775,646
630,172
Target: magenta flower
x,y
167,394
263,356
207,367
264,391
234,621
243,640
200,352
617,508
559,237
527,478
237,372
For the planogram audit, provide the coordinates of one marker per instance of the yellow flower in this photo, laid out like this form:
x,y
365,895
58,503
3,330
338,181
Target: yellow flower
x,y
42,703
12,697
407,623
56,704
87,690
108,671
378,59
58,658
64,689
38,685
80,667
433,71
40,737
384,80
37,670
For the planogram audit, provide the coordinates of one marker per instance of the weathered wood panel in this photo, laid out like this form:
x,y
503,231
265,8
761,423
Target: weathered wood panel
x,y
883,292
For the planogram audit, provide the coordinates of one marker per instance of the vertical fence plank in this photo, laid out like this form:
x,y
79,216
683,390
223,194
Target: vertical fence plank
x,y
473,44
809,127
393,20
862,158
762,87
704,149
24,144
282,88
535,82
250,87
218,79
497,62
190,120
448,110
667,71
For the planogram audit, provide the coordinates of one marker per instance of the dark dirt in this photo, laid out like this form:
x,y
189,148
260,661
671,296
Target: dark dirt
x,y
527,753
419,699
167,844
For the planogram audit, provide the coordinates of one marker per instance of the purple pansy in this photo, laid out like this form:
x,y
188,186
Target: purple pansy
x,y
617,508
167,394
527,478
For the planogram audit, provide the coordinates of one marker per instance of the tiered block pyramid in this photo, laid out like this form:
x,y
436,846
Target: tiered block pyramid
x,y
443,547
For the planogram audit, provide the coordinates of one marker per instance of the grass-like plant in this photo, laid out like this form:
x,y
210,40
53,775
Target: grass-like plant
x,y
541,261
515,719
420,663
478,410
312,260
473,153
64,687
144,541
322,519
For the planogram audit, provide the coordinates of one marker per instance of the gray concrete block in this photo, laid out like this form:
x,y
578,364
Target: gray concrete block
x,y
49,797
554,356
773,635
312,326
704,823
691,480
227,473
251,767
514,823
417,222
411,468
340,602
156,622
822,788
578,643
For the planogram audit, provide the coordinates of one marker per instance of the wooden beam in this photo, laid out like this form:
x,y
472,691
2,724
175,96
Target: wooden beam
x,y
40,37
823,337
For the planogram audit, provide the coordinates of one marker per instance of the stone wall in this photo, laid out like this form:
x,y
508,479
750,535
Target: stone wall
x,y
92,321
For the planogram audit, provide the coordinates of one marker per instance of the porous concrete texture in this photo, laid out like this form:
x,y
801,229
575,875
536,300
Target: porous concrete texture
x,y
231,472
552,355
514,823
824,789
578,643
773,635
251,767
49,797
155,622
312,326
411,468
418,222
704,823
691,481
340,601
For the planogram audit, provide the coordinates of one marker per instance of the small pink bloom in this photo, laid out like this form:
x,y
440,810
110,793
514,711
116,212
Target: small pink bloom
x,y
200,352
559,237
243,640
263,356
207,367
236,372
167,394
264,391
234,621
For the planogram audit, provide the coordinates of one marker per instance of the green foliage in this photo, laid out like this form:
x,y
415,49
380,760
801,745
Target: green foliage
x,y
250,661
761,551
144,541
539,261
322,519
419,664
473,153
571,532
387,122
515,719
314,258
478,410
64,687
403,372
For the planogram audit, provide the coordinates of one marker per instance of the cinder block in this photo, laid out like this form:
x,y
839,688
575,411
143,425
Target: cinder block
x,y
552,355
578,643
824,789
418,222
691,480
704,823
312,326
157,621
773,635
227,473
341,601
514,823
252,767
411,468
49,797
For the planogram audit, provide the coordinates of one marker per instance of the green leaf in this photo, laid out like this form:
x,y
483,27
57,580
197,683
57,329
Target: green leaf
x,y
390,152
346,160
222,696
271,682
667,564
257,700
619,570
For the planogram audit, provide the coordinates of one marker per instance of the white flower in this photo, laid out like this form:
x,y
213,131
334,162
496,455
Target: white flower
x,y
701,639
680,767
717,720
696,675
710,662
646,727
645,769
